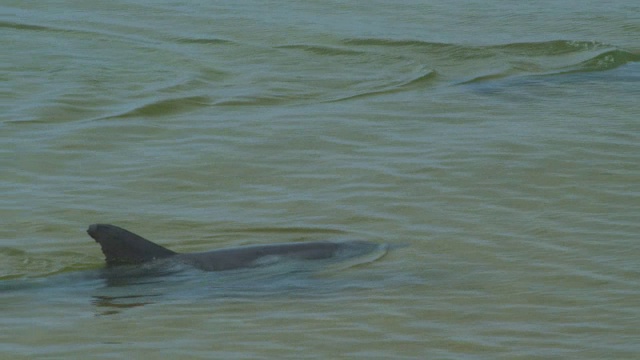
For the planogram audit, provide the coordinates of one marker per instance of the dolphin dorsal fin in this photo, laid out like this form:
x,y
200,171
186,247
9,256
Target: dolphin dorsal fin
x,y
120,246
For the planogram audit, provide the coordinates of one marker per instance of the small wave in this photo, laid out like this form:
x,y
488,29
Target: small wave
x,y
524,58
399,43
264,100
166,107
18,26
205,41
419,81
542,48
322,50
608,60
553,47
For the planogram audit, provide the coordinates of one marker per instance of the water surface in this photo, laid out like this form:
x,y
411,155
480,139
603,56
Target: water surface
x,y
494,145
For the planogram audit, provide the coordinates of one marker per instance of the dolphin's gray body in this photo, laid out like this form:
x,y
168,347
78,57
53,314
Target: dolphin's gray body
x,y
124,247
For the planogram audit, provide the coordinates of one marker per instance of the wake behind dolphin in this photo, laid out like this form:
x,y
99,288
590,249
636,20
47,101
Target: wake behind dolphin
x,y
120,246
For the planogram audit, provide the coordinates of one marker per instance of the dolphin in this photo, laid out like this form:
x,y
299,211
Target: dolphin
x,y
121,246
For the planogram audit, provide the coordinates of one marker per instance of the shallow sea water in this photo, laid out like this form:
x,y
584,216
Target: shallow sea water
x,y
494,146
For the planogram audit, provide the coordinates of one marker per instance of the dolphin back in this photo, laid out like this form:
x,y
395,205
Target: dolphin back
x,y
120,246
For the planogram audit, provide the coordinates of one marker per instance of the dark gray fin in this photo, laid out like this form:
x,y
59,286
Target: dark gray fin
x,y
120,246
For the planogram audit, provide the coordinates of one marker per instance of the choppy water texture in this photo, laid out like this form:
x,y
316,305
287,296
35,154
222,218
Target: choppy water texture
x,y
495,145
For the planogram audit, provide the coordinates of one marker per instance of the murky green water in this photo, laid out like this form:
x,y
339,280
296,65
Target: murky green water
x,y
494,145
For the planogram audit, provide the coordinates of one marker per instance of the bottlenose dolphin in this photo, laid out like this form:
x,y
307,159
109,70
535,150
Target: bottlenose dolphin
x,y
124,247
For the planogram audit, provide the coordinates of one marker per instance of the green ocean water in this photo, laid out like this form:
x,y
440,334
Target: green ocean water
x,y
494,145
